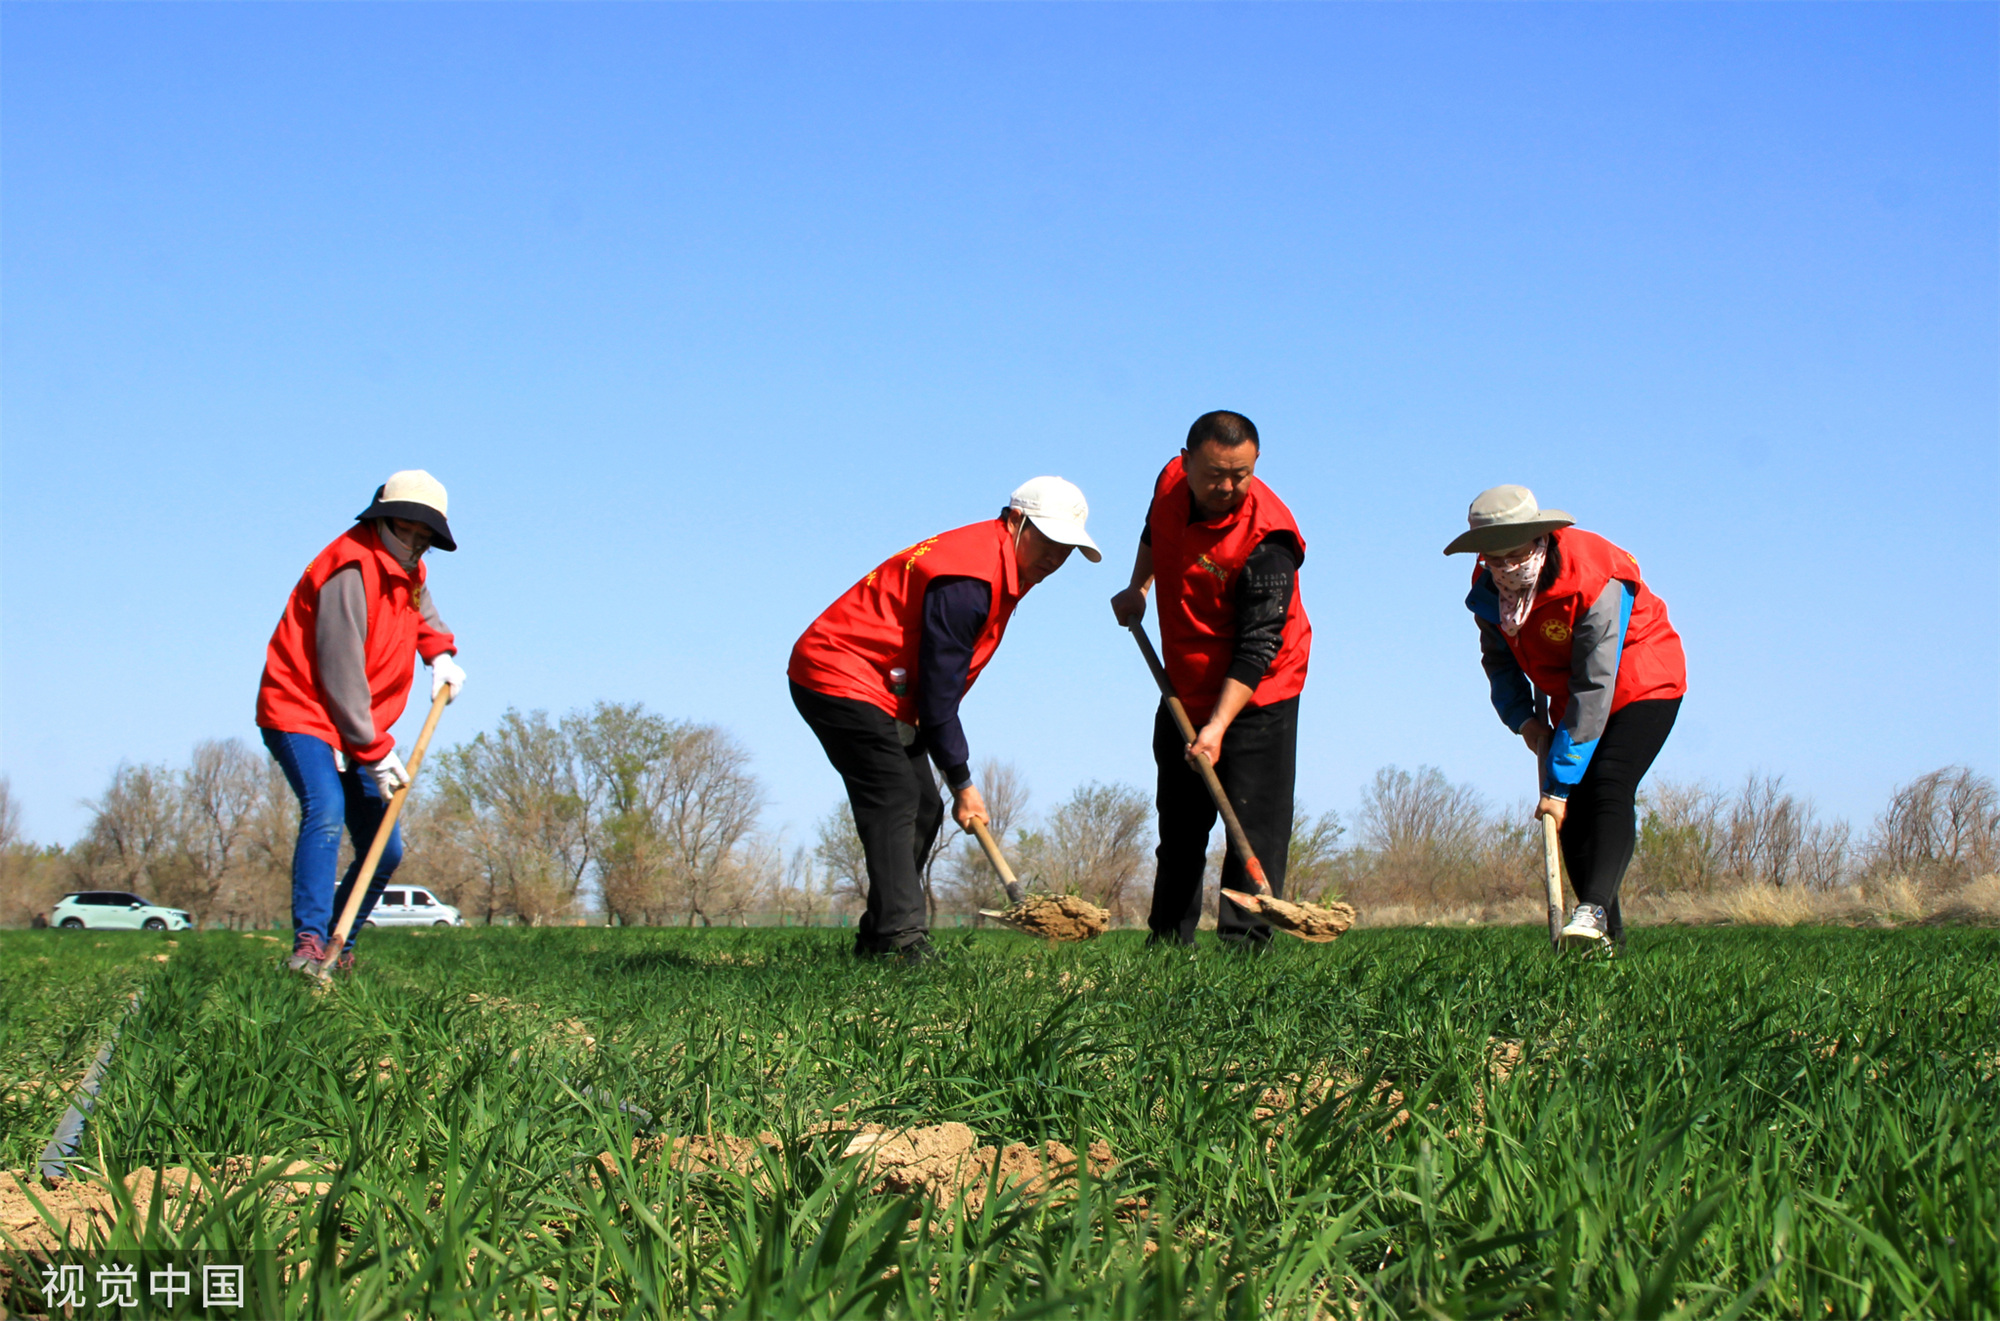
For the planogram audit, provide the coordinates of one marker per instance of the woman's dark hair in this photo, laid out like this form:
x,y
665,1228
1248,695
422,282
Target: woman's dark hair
x,y
1224,428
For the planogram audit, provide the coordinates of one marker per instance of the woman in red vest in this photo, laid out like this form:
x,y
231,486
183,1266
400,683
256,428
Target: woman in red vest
x,y
1234,637
880,674
336,678
1564,613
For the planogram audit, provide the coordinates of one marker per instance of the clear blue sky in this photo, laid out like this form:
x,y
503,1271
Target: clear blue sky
x,y
700,312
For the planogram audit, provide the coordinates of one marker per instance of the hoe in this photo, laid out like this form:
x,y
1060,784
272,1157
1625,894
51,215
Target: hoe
x,y
1053,917
366,876
1306,921
1551,849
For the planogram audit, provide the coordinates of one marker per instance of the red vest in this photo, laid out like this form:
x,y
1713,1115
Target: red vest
x,y
877,624
290,698
1195,566
1652,664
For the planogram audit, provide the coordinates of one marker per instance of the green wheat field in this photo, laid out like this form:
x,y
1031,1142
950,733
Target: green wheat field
x,y
512,1122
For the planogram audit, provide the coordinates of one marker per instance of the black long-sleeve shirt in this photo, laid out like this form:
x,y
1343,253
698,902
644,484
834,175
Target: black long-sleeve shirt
x,y
955,611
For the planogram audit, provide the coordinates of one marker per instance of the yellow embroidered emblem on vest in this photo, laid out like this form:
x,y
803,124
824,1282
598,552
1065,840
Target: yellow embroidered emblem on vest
x,y
1555,630
1209,566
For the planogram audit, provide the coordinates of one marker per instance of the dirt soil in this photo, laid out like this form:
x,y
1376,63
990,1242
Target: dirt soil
x,y
946,1160
1311,921
1061,917
81,1205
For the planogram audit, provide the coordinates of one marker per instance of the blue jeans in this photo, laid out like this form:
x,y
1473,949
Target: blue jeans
x,y
327,798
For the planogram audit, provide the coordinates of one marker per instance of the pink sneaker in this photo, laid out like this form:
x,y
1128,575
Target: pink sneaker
x,y
308,952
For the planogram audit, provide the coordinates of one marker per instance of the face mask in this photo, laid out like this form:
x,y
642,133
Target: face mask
x,y
1516,584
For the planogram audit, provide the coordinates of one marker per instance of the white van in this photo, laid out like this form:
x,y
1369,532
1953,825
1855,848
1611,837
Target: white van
x,y
413,906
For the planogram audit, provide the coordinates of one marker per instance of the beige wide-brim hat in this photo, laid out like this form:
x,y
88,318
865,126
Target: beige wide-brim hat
x,y
1503,518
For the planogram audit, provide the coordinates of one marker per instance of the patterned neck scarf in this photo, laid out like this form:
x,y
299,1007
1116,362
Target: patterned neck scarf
x,y
1516,580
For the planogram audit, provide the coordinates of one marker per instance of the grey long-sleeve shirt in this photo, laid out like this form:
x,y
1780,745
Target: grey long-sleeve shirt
x,y
340,635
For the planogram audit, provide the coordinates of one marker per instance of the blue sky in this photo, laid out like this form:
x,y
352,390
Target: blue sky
x,y
701,311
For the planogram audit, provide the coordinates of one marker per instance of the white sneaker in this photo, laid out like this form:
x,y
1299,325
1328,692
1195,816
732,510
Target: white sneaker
x,y
1586,926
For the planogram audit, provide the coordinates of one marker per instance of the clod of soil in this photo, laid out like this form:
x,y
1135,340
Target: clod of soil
x,y
1058,917
83,1205
1312,922
946,1161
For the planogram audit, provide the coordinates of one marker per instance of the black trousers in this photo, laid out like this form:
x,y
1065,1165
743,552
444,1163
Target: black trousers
x,y
897,812
1601,824
1259,763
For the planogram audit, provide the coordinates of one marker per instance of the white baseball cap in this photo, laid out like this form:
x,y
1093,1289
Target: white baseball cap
x,y
1057,510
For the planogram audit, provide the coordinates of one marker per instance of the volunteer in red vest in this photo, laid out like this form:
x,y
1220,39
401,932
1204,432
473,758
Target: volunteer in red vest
x,y
1225,552
1564,613
336,678
880,674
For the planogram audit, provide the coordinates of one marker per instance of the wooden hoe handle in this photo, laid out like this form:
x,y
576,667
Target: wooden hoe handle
x,y
1015,894
1551,847
1237,839
366,875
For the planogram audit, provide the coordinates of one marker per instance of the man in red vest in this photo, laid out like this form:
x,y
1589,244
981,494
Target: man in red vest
x,y
881,672
1235,640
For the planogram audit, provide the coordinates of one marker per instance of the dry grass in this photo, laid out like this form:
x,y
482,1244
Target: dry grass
x,y
1893,901
1896,901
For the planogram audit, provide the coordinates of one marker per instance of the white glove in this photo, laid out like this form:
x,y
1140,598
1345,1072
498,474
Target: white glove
x,y
389,774
445,673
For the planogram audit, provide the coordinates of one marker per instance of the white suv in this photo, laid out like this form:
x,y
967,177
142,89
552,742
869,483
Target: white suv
x,y
115,910
413,906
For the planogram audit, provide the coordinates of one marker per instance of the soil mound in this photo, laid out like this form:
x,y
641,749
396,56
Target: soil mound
x,y
80,1206
1058,917
945,1161
1310,921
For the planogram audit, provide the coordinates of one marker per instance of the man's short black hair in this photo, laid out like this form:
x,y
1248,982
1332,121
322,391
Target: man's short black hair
x,y
1225,428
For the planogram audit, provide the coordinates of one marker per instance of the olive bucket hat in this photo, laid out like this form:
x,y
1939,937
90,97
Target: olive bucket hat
x,y
416,495
1503,518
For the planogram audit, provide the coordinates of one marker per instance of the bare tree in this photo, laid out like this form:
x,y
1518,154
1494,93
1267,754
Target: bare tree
x,y
441,848
524,792
1095,845
711,807
10,817
1424,832
1680,845
679,810
1944,824
966,880
219,795
31,879
1315,863
132,828
804,891
837,849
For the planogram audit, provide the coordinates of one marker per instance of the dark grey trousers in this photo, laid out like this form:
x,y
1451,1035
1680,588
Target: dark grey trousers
x,y
1259,764
897,812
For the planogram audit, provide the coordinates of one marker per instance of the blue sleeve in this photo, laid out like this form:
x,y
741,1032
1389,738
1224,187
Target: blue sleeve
x,y
1513,697
955,612
1599,642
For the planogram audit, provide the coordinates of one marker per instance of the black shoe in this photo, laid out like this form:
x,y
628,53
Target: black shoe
x,y
1171,939
917,953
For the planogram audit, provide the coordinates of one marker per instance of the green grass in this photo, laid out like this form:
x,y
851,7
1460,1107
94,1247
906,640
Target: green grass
x,y
1790,1123
61,992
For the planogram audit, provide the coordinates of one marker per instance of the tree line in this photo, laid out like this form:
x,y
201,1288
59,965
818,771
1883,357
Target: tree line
x,y
655,821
